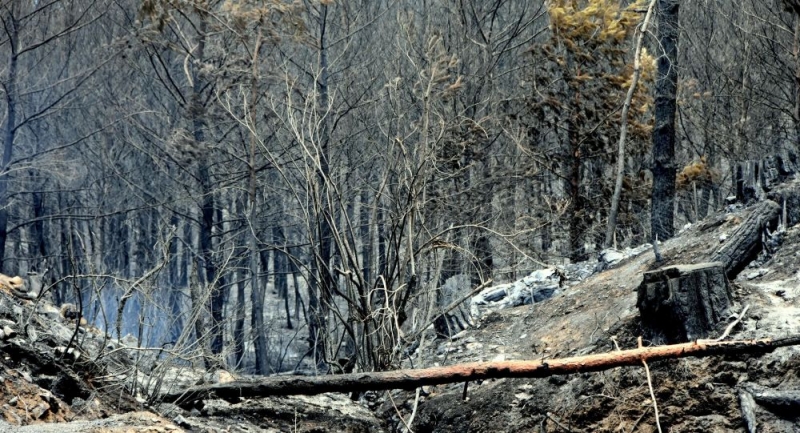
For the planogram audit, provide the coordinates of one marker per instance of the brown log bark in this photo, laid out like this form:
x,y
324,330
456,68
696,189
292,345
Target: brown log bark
x,y
744,244
409,379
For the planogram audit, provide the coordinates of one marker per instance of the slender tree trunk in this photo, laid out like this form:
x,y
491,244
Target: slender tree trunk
x,y
663,205
37,231
197,114
10,129
238,324
367,247
482,259
294,270
576,208
381,241
176,325
320,296
797,82
256,288
623,134
60,292
281,270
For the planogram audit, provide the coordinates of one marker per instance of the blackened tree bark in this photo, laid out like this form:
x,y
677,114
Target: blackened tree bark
x,y
796,53
281,270
321,287
238,323
257,289
10,86
197,116
661,217
577,225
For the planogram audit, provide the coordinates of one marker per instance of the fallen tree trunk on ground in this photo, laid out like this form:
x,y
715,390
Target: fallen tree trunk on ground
x,y
410,379
744,244
787,401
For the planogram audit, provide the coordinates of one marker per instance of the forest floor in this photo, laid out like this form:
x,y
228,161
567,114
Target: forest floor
x,y
45,389
693,395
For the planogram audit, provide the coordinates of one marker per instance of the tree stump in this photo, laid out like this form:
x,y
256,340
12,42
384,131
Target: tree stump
x,y
683,303
753,179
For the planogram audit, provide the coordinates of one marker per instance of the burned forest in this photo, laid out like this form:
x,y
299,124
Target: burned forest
x,y
399,216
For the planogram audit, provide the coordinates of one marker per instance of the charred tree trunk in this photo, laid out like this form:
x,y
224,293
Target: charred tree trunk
x,y
10,86
321,287
37,231
796,52
197,116
281,270
450,268
366,219
663,206
577,209
241,313
257,288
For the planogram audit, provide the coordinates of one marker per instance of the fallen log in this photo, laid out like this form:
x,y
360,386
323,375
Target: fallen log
x,y
787,401
410,379
744,244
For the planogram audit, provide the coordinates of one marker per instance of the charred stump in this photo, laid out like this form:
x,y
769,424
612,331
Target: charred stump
x,y
683,303
754,179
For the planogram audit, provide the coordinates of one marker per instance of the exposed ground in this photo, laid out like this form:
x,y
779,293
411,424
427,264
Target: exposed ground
x,y
52,385
693,395
46,390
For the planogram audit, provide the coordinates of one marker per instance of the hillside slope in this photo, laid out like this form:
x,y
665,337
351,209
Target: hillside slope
x,y
693,395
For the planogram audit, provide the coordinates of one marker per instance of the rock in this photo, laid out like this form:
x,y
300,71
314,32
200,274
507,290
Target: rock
x,y
39,411
535,287
130,341
577,272
756,273
473,346
48,310
495,295
459,335
8,332
181,422
71,353
608,258
33,335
